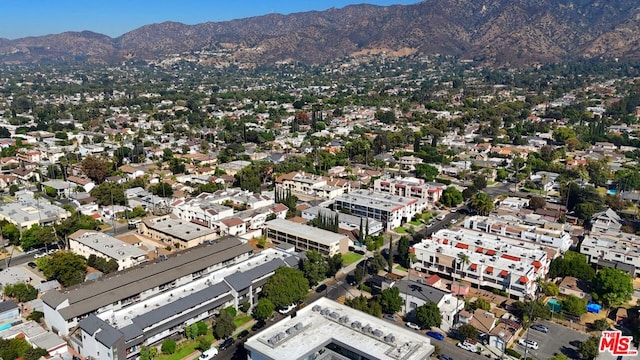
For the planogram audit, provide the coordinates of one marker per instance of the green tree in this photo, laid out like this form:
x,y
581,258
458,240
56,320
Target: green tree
x,y
613,286
427,172
20,291
203,344
36,236
263,309
537,202
108,193
571,264
334,265
428,315
168,346
369,306
314,267
468,331
390,300
148,352
451,197
11,233
574,305
162,189
482,203
550,288
287,286
224,326
403,251
482,303
66,267
588,349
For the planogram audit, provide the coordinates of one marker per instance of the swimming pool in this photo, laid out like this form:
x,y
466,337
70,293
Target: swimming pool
x,y
612,192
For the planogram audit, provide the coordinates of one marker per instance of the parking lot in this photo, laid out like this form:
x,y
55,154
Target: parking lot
x,y
559,339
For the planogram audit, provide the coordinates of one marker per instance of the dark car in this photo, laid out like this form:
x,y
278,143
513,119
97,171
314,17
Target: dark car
x,y
226,344
32,265
436,335
445,357
257,326
321,288
243,334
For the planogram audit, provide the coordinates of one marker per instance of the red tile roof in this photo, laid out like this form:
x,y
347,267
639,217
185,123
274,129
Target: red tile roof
x,y
504,273
462,246
510,257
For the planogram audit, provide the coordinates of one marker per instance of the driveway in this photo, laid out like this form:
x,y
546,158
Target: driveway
x,y
559,339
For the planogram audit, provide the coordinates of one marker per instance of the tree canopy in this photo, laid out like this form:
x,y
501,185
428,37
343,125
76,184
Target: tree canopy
x,y
571,264
613,286
66,267
224,325
428,315
287,286
263,309
390,300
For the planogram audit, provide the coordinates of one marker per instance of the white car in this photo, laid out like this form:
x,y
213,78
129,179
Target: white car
x,y
467,346
413,326
287,309
528,343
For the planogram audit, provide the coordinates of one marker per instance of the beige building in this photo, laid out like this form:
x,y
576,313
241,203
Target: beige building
x,y
305,237
171,231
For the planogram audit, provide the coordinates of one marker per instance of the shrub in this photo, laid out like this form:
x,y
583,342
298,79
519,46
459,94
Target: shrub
x,y
513,353
202,328
36,316
231,310
168,346
203,344
245,307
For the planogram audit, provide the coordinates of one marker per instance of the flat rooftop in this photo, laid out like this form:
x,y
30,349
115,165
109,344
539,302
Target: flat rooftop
x,y
377,200
90,296
107,245
178,229
320,236
326,322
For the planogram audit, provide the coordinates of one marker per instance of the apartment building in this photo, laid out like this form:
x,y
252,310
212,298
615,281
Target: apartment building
x,y
547,234
409,187
88,242
616,250
326,329
484,260
346,221
28,210
112,318
176,232
416,294
389,209
314,186
305,237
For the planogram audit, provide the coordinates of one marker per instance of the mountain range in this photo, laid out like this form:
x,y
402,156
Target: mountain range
x,y
492,31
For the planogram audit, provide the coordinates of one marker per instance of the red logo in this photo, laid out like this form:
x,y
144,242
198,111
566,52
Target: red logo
x,y
616,344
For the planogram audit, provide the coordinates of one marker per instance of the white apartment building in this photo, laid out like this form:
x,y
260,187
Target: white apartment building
x,y
326,329
485,260
301,183
390,210
409,187
617,250
416,294
346,221
88,242
549,234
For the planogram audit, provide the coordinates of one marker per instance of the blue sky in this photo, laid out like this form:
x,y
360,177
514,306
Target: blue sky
x,y
20,18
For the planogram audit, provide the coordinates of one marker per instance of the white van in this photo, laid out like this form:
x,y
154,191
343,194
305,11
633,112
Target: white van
x,y
209,354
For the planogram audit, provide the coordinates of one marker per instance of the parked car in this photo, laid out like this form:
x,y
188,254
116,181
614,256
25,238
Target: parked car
x,y
226,344
32,265
445,357
209,354
390,317
528,343
468,346
258,325
287,309
436,335
321,288
243,334
413,326
540,328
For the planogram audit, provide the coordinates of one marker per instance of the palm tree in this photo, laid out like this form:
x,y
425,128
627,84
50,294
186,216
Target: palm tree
x,y
482,203
463,259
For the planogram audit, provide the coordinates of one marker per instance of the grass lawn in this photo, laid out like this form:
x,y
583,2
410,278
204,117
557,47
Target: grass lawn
x,y
242,319
401,268
350,258
183,350
415,223
400,230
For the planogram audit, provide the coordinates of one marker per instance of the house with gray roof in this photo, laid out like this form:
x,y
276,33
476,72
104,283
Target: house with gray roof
x,y
416,294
